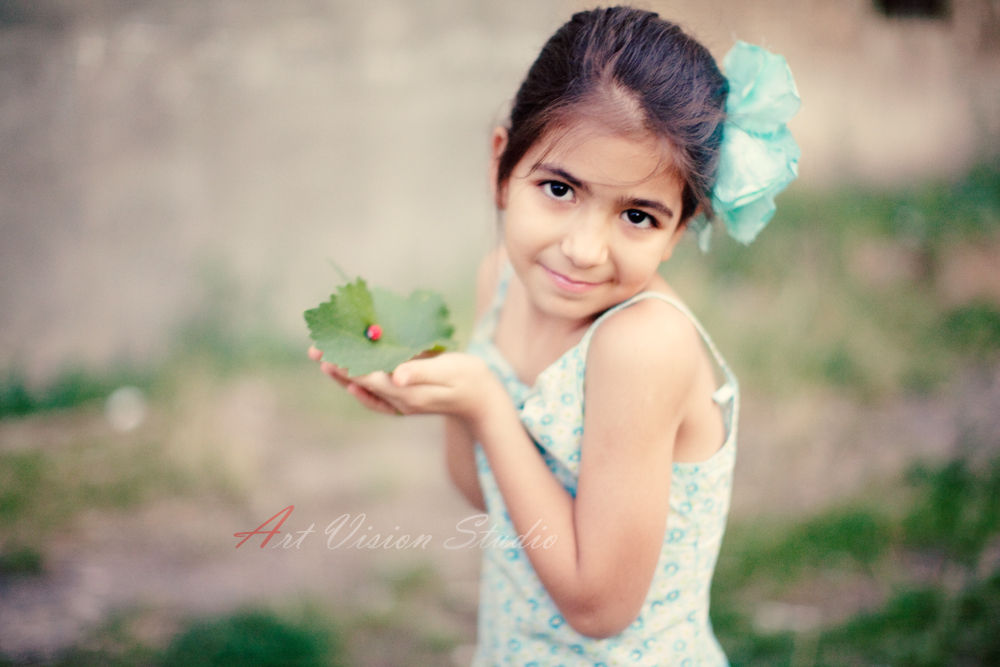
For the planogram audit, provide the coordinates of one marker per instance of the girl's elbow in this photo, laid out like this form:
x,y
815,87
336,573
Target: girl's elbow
x,y
600,621
476,499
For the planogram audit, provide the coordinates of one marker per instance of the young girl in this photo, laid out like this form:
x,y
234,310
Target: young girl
x,y
586,411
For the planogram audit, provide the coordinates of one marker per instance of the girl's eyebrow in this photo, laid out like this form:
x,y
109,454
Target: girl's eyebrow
x,y
563,174
624,202
646,203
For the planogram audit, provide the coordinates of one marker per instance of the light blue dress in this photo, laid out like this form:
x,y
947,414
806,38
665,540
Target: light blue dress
x,y
519,623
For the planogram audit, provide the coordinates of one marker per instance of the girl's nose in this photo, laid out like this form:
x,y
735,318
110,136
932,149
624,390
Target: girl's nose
x,y
586,243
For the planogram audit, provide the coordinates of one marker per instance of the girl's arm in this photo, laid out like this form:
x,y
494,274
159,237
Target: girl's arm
x,y
459,442
461,461
642,365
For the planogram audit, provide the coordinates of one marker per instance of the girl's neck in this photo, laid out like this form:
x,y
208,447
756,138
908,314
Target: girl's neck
x,y
531,340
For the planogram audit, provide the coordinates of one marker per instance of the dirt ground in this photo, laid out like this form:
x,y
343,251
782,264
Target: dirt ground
x,y
174,556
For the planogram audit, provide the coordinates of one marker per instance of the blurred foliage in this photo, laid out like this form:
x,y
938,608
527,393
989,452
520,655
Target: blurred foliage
x,y
227,333
974,328
42,491
932,548
926,627
111,644
844,538
21,480
17,560
253,639
939,553
957,511
72,389
843,289
245,638
41,487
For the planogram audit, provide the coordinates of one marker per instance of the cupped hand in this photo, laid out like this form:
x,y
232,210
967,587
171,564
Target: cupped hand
x,y
366,398
453,383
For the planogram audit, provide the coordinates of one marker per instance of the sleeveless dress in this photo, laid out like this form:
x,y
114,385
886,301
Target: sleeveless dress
x,y
518,623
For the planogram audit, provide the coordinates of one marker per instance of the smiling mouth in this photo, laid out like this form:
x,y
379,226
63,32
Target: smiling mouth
x,y
568,284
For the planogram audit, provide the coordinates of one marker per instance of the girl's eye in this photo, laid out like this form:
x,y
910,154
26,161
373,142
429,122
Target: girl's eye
x,y
639,219
558,190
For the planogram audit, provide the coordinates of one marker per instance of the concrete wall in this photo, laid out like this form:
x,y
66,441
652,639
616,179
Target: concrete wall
x,y
884,99
146,147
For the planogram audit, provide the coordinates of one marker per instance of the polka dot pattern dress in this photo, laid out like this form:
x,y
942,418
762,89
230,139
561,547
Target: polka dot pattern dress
x,y
519,623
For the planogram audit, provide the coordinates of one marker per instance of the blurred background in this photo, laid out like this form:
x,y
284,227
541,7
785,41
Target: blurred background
x,y
177,179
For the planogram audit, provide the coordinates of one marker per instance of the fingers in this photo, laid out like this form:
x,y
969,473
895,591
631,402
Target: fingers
x,y
370,401
377,383
326,367
365,397
418,371
335,372
376,389
428,385
404,375
416,398
441,369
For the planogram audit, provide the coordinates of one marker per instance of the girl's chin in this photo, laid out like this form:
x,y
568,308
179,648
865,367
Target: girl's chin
x,y
565,307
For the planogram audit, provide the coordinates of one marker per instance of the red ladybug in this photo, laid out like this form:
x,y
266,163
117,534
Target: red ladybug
x,y
373,333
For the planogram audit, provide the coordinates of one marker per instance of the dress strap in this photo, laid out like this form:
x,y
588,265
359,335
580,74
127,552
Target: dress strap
x,y
723,393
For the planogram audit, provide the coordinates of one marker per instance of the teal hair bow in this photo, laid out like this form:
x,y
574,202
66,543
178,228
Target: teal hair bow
x,y
758,157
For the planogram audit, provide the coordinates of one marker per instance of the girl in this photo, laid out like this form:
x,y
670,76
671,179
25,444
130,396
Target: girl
x,y
586,411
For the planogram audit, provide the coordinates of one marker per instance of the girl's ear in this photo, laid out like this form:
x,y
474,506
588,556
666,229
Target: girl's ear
x,y
498,146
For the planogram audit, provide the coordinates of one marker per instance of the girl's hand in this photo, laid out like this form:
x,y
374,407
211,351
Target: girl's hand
x,y
364,397
452,384
449,384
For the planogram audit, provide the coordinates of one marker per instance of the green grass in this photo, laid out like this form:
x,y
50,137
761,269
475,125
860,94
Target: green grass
x,y
974,328
844,538
20,561
244,638
957,511
72,389
41,492
947,614
22,478
253,639
927,627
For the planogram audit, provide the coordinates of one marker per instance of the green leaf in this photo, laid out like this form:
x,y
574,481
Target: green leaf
x,y
410,326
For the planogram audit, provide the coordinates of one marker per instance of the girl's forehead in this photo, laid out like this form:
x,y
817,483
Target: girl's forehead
x,y
594,153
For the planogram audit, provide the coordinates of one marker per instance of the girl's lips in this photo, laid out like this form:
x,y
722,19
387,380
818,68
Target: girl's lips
x,y
568,284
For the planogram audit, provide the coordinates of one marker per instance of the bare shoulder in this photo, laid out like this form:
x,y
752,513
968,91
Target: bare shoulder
x,y
649,360
652,342
487,278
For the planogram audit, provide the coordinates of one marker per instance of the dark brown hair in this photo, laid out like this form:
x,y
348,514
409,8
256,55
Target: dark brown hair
x,y
638,70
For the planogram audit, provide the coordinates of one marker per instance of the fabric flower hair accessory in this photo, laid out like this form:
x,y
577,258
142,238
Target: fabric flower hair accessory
x,y
758,156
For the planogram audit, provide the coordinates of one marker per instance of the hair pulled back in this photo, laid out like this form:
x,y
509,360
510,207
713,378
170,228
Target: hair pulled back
x,y
634,61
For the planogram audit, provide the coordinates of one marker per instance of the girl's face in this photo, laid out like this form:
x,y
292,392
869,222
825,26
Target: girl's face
x,y
589,217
